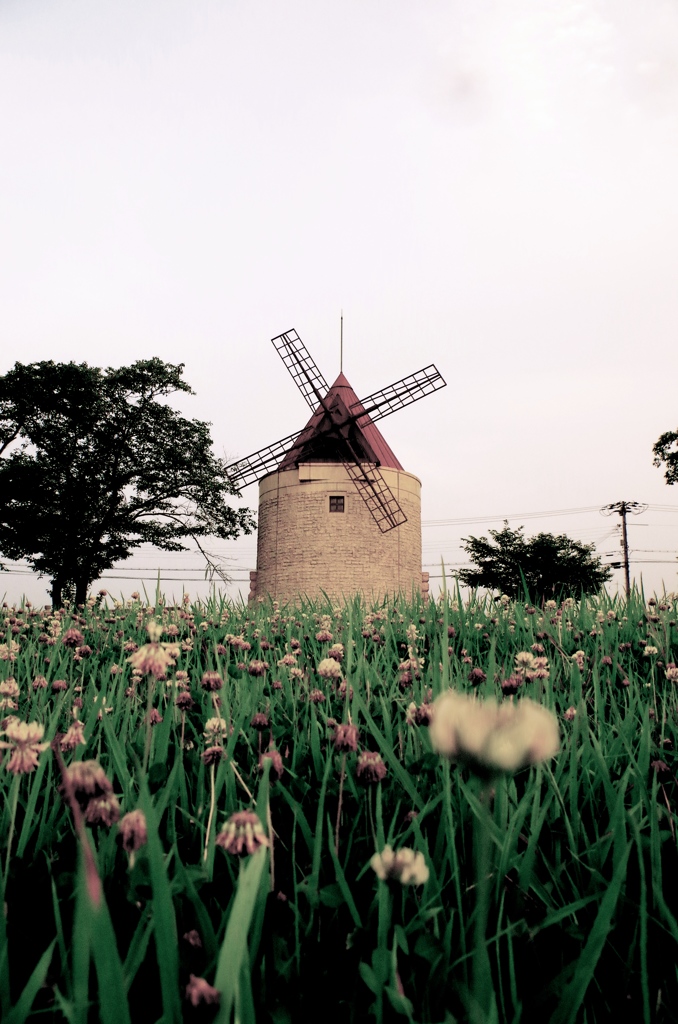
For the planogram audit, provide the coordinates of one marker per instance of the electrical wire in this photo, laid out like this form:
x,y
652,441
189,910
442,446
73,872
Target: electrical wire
x,y
513,515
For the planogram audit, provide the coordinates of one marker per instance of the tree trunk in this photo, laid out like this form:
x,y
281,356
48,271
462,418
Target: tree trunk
x,y
81,587
57,587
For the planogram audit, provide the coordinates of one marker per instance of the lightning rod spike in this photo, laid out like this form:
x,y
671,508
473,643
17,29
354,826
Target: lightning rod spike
x,y
341,342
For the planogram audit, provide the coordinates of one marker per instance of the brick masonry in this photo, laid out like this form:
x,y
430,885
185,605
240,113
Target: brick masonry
x,y
304,549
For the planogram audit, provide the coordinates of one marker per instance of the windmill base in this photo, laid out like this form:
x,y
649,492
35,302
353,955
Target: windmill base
x,y
316,536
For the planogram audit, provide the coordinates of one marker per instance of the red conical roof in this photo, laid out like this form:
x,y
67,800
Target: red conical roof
x,y
364,434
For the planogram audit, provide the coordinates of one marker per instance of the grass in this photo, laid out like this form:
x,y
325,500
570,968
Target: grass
x,y
549,897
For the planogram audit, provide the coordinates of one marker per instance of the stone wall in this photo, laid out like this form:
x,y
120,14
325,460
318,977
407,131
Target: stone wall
x,y
304,549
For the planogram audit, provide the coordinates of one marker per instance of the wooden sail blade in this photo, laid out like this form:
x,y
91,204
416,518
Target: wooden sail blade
x,y
301,366
266,460
403,392
381,502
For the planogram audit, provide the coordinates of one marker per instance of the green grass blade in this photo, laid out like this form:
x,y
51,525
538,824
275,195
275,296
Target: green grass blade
x,y
341,878
234,946
574,994
165,926
137,951
37,979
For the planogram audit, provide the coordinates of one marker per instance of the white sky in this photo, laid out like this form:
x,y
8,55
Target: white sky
x,y
487,186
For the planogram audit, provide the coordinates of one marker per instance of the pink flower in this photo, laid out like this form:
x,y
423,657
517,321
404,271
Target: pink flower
x,y
213,755
153,659
242,834
73,737
276,762
345,738
211,681
133,831
370,768
257,668
72,638
24,743
200,991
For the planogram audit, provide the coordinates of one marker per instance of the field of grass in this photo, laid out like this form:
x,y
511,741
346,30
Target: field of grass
x,y
544,894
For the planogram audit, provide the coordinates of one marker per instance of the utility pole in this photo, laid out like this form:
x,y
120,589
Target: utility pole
x,y
622,507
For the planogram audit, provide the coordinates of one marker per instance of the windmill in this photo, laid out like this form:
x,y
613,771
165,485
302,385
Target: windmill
x,y
340,448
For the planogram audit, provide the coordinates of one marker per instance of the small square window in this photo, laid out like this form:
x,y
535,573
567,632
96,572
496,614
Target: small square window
x,y
336,503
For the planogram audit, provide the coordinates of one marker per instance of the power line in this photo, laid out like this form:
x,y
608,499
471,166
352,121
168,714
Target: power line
x,y
467,520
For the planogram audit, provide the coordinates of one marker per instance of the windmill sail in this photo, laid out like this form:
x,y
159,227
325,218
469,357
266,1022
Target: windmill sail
x,y
381,502
341,429
266,460
403,392
301,366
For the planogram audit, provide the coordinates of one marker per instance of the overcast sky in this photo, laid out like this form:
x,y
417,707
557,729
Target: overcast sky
x,y
489,186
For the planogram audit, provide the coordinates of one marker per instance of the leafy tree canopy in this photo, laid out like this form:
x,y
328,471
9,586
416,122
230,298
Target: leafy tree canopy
x,y
552,566
95,464
666,451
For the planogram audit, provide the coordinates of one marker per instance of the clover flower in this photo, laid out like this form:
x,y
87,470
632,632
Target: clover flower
x,y
72,638
510,686
370,767
213,755
93,792
200,991
24,743
489,738
329,668
405,866
345,738
215,729
73,737
211,681
153,659
257,667
421,715
276,762
343,690
524,661
132,828
243,834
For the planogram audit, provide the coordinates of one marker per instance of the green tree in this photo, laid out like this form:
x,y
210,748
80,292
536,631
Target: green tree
x,y
666,451
94,464
551,566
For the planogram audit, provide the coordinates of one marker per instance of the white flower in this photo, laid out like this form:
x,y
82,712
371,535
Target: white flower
x,y
491,738
215,729
329,669
405,865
